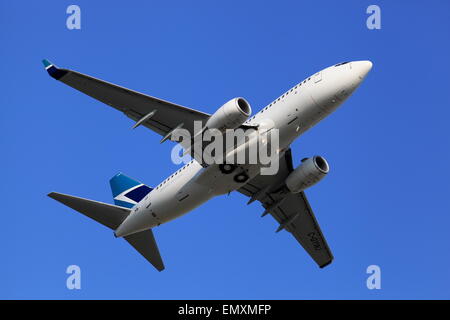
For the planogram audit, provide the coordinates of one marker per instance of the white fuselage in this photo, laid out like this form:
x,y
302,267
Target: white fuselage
x,y
292,113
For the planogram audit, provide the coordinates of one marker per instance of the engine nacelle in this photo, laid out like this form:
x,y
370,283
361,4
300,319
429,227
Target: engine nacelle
x,y
231,115
307,174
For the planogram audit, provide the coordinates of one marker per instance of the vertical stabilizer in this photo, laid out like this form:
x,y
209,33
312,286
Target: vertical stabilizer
x,y
126,191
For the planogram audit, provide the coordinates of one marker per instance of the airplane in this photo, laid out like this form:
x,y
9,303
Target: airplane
x,y
138,208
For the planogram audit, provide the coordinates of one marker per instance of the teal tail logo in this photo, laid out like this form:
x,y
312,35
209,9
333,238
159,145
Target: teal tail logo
x,y
126,191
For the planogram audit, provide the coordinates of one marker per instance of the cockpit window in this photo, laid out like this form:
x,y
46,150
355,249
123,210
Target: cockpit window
x,y
340,64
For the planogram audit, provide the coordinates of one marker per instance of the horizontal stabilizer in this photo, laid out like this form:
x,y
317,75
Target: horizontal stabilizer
x,y
112,216
107,214
144,242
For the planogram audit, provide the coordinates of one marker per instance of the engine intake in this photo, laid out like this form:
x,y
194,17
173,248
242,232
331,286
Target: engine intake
x,y
231,115
307,174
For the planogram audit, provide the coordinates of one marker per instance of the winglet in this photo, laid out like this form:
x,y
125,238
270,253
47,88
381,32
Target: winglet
x,y
53,71
47,64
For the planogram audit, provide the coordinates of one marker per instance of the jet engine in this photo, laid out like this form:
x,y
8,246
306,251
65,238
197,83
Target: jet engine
x,y
231,115
307,174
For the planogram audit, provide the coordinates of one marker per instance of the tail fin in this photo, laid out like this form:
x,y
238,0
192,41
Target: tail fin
x,y
112,216
127,191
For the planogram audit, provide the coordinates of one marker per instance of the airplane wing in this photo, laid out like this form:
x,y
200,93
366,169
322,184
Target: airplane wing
x,y
294,213
156,114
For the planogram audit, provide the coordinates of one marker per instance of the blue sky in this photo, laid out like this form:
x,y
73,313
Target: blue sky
x,y
385,202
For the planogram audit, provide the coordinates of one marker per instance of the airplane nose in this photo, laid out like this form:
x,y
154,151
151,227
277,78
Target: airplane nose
x,y
338,83
362,68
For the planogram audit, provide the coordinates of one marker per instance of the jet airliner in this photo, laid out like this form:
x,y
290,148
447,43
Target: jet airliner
x,y
138,208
